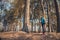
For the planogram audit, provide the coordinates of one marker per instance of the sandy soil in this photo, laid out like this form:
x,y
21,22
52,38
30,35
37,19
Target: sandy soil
x,y
28,36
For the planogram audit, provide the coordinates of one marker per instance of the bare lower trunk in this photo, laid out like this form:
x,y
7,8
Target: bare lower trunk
x,y
27,16
58,16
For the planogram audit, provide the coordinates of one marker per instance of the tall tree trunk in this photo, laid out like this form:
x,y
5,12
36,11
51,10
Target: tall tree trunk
x,y
43,11
58,15
26,16
48,14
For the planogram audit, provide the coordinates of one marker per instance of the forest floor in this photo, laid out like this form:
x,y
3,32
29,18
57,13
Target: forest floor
x,y
28,36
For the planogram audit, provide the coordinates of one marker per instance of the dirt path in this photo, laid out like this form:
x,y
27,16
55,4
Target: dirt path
x,y
26,36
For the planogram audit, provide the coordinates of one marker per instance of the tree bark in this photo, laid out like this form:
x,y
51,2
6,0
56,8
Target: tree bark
x,y
58,16
26,24
48,14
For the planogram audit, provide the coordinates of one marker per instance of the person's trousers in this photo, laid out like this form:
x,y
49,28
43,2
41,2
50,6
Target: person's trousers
x,y
43,28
